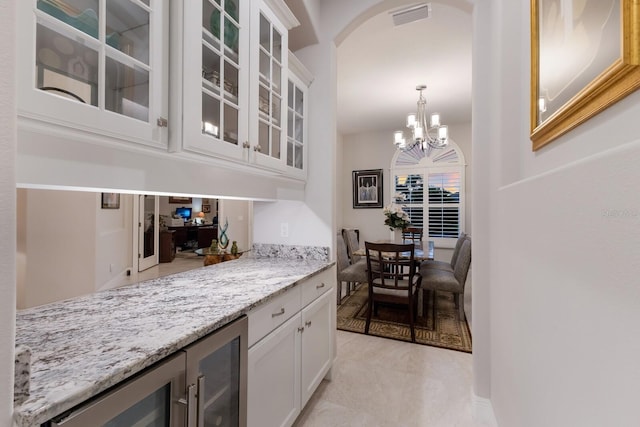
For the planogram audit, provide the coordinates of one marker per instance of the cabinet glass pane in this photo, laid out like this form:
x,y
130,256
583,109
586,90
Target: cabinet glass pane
x,y
299,102
275,82
230,124
65,67
290,119
152,411
299,129
290,94
263,137
210,116
232,8
231,32
210,69
221,371
299,150
277,46
265,69
230,82
263,100
128,29
275,143
276,102
289,153
127,90
265,34
211,22
80,14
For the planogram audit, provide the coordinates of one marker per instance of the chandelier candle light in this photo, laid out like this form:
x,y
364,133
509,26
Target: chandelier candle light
x,y
421,134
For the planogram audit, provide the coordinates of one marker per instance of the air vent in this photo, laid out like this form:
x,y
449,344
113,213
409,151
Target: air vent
x,y
411,14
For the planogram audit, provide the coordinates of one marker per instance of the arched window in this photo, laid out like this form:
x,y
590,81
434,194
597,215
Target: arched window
x,y
429,185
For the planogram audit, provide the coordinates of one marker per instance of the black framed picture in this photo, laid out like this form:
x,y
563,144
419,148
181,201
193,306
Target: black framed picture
x,y
110,200
367,188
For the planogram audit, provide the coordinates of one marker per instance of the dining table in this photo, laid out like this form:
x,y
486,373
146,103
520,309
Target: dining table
x,y
419,254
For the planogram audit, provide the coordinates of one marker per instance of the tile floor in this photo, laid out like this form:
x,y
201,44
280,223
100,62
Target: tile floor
x,y
183,261
379,382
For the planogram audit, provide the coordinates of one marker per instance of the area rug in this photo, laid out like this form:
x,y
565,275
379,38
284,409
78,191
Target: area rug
x,y
393,321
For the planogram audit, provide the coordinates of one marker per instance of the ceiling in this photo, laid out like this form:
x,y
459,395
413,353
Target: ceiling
x,y
379,66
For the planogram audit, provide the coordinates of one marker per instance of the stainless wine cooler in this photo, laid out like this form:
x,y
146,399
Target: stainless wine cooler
x,y
203,385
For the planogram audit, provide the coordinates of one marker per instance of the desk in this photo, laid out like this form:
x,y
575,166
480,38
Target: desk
x,y
202,234
419,254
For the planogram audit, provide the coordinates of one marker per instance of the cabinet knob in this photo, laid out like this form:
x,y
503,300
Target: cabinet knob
x,y
280,313
320,286
307,323
162,122
301,329
257,148
246,144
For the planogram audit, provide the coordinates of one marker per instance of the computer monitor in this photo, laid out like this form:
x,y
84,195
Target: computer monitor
x,y
184,213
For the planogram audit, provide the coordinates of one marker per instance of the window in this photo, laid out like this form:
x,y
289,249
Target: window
x,y
430,187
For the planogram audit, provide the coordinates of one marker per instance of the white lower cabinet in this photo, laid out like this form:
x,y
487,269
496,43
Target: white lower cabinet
x,y
287,365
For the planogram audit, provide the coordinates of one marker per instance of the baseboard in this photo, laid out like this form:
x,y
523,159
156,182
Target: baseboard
x,y
482,411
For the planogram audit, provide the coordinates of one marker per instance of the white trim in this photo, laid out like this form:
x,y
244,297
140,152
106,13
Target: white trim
x,y
482,411
283,13
300,70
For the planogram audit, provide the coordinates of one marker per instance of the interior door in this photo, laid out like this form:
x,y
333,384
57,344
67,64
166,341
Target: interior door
x,y
148,209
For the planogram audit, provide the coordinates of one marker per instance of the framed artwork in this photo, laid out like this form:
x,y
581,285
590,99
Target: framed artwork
x,y
110,200
206,208
180,200
367,188
585,57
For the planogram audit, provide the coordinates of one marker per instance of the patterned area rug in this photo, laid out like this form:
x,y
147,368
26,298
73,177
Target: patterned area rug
x,y
393,321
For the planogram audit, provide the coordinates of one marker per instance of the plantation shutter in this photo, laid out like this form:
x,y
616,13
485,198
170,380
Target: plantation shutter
x,y
444,204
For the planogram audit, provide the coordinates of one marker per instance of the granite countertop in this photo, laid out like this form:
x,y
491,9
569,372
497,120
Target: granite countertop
x,y
85,345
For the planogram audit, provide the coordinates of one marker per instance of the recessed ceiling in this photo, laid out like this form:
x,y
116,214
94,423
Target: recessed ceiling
x,y
379,66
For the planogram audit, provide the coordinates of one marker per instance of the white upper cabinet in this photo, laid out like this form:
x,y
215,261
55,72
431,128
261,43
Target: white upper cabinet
x,y
95,67
231,85
297,116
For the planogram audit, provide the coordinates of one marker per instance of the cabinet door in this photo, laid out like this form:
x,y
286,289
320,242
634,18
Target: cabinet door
x,y
95,66
214,77
317,343
217,366
269,53
274,377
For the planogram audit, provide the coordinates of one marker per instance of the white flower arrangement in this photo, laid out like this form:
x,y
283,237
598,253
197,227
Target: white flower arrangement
x,y
400,197
396,217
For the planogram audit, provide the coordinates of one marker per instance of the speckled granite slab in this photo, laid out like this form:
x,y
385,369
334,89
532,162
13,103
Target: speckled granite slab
x,y
267,250
85,345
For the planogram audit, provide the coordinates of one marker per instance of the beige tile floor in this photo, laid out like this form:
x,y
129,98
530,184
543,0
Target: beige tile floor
x,y
379,382
183,261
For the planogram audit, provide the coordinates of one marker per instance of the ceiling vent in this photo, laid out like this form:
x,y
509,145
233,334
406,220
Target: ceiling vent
x,y
411,14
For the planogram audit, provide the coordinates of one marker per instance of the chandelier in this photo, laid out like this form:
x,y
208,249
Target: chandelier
x,y
420,133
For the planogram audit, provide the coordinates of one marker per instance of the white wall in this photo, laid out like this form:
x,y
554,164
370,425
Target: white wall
x,y
374,150
113,242
564,256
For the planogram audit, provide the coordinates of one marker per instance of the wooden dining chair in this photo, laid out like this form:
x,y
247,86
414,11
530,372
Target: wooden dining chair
x,y
392,279
413,235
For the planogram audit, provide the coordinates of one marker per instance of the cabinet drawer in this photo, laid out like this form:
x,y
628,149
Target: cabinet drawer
x,y
264,319
317,285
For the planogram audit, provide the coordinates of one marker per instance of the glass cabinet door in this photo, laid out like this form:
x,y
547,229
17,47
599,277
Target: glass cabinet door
x,y
214,97
217,365
270,54
97,53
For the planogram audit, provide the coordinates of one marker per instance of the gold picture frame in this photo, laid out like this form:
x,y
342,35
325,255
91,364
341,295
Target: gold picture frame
x,y
606,72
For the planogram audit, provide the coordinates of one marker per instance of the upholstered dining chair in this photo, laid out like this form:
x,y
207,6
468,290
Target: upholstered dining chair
x,y
413,235
392,279
348,273
351,238
435,279
443,265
